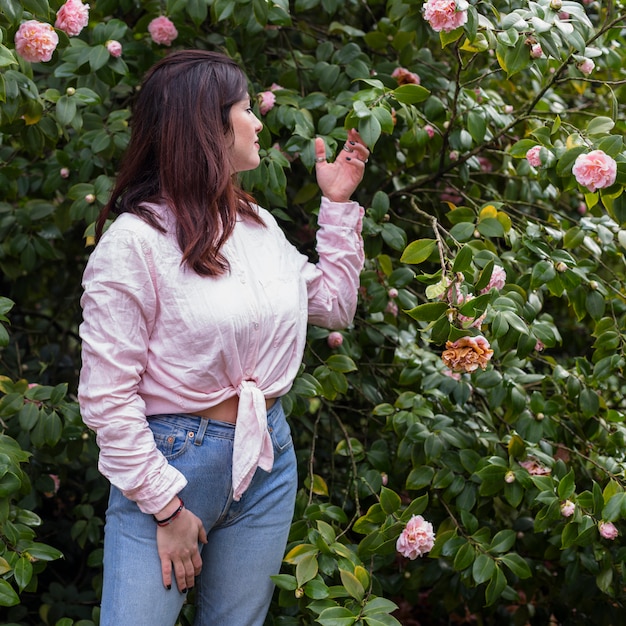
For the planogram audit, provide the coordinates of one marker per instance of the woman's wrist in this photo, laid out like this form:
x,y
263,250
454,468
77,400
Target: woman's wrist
x,y
173,507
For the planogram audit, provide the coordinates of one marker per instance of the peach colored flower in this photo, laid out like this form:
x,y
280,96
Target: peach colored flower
x,y
467,354
608,530
405,77
416,539
533,156
497,280
335,339
595,170
266,102
534,468
567,508
445,15
162,30
114,47
36,41
72,17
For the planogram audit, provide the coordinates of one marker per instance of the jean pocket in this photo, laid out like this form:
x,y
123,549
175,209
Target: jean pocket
x,y
280,434
171,440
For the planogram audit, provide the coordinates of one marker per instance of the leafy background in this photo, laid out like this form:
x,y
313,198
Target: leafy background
x,y
381,428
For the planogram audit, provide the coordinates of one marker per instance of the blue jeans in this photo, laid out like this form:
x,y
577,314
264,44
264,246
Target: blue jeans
x,y
246,539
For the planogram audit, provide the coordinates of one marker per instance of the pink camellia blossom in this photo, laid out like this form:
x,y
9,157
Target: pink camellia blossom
x,y
64,172
586,66
445,15
72,17
497,280
162,30
534,468
536,51
36,41
608,530
450,374
335,339
567,508
467,354
393,292
533,156
266,102
276,87
539,346
405,77
114,47
417,538
430,131
595,170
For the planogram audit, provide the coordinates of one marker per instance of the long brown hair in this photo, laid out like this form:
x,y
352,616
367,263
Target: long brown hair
x,y
179,153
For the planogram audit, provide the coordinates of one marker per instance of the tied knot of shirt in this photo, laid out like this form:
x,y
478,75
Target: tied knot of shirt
x,y
253,444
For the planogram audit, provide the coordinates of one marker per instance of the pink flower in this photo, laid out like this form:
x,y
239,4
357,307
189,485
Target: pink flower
x,y
36,41
114,47
266,102
533,156
586,66
467,354
536,51
497,280
275,87
567,508
445,15
393,292
534,469
454,155
450,374
162,30
608,530
384,478
64,172
582,208
430,131
449,194
416,539
485,164
539,346
72,17
595,170
508,108
404,77
335,339
392,308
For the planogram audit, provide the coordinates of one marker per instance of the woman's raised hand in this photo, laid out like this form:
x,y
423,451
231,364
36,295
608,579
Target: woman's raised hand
x,y
339,179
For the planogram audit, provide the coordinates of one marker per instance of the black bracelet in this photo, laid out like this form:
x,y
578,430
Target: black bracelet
x,y
172,517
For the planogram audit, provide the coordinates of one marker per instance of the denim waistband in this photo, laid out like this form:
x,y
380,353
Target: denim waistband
x,y
201,425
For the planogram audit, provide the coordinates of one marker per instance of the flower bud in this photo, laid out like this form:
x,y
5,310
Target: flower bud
x,y
64,172
593,284
90,198
335,339
560,267
556,5
70,91
509,477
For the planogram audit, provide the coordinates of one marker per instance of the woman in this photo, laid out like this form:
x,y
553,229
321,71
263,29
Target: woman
x,y
195,309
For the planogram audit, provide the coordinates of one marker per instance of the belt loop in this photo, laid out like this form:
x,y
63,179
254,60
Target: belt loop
x,y
204,422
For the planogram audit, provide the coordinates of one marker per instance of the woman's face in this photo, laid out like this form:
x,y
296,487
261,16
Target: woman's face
x,y
246,128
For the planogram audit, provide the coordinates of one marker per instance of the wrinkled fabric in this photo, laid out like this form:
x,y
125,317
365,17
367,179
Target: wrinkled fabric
x,y
158,338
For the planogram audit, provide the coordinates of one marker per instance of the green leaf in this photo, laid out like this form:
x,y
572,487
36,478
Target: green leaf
x,y
389,501
8,596
516,564
483,568
285,581
352,584
418,251
44,552
341,363
336,616
495,587
306,569
567,485
464,557
420,477
600,126
502,541
428,312
463,259
410,94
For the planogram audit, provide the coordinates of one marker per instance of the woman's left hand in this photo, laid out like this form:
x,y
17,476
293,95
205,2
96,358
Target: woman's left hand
x,y
339,179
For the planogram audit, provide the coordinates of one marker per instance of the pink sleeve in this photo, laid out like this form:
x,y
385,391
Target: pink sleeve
x,y
333,282
119,306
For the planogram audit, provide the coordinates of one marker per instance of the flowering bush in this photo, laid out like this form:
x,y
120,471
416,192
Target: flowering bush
x,y
517,457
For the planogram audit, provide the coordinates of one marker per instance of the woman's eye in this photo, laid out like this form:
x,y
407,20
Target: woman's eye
x,y
249,110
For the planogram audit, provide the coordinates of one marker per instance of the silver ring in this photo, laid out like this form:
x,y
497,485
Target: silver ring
x,y
320,159
345,147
